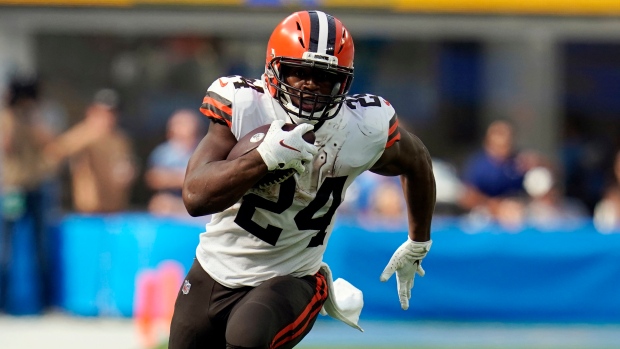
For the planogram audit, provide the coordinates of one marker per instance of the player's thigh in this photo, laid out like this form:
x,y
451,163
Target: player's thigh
x,y
278,313
192,322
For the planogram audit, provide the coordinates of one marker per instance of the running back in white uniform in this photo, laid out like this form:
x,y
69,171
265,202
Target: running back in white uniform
x,y
284,229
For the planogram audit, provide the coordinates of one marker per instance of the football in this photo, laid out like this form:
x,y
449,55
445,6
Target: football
x,y
252,140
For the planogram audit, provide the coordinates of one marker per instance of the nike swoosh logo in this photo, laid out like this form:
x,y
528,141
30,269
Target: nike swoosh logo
x,y
288,146
223,84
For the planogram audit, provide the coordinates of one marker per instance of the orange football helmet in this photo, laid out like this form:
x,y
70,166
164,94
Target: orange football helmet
x,y
310,39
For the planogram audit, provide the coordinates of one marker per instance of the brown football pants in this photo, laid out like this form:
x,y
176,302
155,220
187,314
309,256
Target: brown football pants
x,y
277,314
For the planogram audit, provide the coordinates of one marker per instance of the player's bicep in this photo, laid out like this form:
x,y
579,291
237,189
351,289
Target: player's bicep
x,y
388,163
215,146
403,156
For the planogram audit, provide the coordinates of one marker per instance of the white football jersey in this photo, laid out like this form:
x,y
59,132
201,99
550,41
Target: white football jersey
x,y
284,229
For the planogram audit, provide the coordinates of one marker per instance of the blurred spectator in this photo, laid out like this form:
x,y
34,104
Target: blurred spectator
x,y
101,157
549,208
387,205
607,210
359,194
449,189
511,213
25,173
356,201
496,171
376,202
374,197
23,137
585,157
168,162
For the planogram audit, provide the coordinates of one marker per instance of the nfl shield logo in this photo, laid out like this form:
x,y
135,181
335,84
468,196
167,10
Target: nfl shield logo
x,y
186,287
257,137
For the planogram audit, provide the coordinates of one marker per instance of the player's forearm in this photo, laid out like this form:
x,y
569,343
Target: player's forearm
x,y
215,186
420,195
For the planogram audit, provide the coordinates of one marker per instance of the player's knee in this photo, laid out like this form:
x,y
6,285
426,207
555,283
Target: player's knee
x,y
247,340
252,330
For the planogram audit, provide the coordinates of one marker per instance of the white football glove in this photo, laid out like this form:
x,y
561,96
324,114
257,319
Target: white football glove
x,y
281,149
406,262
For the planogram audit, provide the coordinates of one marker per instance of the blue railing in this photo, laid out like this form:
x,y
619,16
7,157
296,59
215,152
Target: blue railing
x,y
571,275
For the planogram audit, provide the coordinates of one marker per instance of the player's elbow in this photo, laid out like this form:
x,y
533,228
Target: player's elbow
x,y
202,203
192,205
197,202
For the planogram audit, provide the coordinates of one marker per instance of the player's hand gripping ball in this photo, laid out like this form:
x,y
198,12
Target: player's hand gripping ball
x,y
255,138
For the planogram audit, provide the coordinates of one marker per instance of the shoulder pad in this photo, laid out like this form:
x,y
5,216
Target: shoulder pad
x,y
224,86
229,85
221,97
368,104
376,112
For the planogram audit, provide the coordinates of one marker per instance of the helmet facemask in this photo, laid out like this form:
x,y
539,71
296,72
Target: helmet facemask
x,y
303,104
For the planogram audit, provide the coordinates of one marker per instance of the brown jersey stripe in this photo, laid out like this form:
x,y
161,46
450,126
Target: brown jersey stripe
x,y
213,115
213,103
393,132
219,98
217,107
393,124
296,328
392,140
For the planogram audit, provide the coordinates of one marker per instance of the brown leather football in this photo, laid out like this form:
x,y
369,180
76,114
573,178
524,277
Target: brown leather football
x,y
252,140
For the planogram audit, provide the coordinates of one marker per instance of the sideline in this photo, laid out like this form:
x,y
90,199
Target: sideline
x,y
61,331
460,335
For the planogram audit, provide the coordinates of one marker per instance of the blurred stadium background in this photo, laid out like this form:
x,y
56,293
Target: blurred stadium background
x,y
448,67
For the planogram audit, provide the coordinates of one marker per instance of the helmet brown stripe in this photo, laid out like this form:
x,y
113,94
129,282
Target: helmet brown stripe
x,y
314,31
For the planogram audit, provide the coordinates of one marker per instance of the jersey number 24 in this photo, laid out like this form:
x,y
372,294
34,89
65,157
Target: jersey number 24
x,y
304,219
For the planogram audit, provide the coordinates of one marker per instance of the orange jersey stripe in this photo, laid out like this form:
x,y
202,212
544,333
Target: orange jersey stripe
x,y
211,114
219,105
392,141
393,128
304,318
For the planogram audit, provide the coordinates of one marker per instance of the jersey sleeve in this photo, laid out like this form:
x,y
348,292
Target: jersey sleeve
x,y
388,113
393,132
217,104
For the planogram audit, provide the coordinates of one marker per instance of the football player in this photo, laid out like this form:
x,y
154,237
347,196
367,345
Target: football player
x,y
258,280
